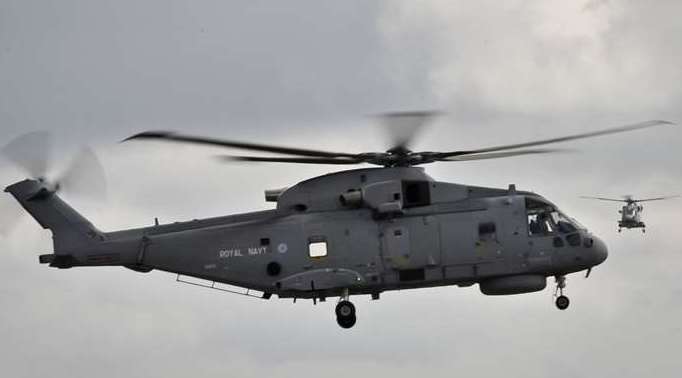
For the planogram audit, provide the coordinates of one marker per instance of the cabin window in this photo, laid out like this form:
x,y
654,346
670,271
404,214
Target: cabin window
x,y
317,249
416,193
487,231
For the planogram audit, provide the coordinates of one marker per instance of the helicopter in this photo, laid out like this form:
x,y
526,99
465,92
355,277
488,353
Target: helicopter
x,y
631,212
362,231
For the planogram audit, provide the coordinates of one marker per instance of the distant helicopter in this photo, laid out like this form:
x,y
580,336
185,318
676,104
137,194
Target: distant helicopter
x,y
354,232
631,213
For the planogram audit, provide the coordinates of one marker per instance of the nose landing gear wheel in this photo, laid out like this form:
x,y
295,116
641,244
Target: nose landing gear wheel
x,y
345,314
562,302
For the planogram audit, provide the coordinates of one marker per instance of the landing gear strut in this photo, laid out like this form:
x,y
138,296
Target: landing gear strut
x,y
345,312
561,301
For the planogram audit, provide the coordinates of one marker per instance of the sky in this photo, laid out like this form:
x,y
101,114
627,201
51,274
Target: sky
x,y
310,74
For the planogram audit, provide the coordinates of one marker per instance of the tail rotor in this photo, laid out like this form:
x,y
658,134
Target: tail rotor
x,y
83,178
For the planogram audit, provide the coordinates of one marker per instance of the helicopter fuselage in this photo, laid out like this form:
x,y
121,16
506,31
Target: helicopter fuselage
x,y
353,232
631,216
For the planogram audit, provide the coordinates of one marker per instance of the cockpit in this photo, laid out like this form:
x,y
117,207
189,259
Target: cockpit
x,y
544,219
551,229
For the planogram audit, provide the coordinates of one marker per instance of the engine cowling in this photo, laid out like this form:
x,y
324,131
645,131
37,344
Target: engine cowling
x,y
526,283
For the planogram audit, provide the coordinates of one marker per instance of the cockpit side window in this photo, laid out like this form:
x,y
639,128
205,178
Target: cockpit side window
x,y
539,223
539,218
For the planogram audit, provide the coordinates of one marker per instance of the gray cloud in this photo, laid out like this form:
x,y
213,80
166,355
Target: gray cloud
x,y
550,57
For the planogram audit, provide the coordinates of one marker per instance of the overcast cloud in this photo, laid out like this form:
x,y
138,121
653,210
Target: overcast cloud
x,y
307,73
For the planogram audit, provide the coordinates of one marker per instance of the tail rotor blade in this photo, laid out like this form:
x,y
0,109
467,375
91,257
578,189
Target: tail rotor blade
x,y
30,152
10,214
84,177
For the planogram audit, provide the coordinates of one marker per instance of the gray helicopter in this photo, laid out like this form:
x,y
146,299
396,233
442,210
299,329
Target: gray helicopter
x,y
356,232
631,212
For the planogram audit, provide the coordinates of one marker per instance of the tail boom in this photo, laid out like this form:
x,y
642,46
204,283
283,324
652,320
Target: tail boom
x,y
76,241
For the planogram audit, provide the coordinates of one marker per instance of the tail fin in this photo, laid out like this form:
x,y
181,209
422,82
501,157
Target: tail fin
x,y
70,230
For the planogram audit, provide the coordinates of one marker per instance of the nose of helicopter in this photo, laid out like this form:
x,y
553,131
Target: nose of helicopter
x,y
599,251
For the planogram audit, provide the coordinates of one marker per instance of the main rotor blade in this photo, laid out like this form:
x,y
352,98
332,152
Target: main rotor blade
x,y
604,199
496,155
170,136
655,199
621,129
290,160
404,126
30,152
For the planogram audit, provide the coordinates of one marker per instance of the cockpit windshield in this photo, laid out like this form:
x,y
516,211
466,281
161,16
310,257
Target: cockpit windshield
x,y
544,219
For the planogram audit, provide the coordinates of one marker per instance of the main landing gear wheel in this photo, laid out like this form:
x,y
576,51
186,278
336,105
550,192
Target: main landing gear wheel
x,y
562,302
345,314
